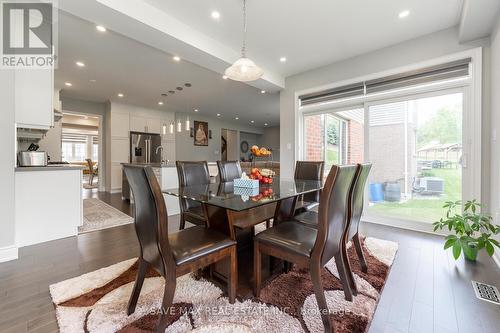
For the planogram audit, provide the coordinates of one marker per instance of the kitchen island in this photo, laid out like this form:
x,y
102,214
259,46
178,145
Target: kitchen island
x,y
49,203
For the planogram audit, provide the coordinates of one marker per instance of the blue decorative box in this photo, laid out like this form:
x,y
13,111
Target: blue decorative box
x,y
246,191
246,183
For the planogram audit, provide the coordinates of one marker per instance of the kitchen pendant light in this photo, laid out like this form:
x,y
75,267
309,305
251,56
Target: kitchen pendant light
x,y
179,126
171,127
164,129
244,69
188,124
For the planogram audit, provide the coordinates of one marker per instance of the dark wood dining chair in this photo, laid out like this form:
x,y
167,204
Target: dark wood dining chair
x,y
175,254
308,170
313,248
192,173
229,170
358,199
310,218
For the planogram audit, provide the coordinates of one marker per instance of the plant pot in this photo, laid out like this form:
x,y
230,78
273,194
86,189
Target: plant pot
x,y
472,256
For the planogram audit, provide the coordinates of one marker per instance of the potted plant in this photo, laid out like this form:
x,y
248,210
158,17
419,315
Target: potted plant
x,y
473,229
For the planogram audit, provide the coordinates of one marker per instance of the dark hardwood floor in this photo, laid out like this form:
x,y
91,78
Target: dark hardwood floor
x,y
427,291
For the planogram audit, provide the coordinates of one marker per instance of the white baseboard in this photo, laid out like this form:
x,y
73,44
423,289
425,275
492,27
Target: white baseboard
x,y
8,253
496,257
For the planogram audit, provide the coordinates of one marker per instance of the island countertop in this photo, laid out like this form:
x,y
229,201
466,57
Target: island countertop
x,y
56,167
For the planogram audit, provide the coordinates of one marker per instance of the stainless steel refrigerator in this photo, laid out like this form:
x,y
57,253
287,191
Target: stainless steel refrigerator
x,y
143,148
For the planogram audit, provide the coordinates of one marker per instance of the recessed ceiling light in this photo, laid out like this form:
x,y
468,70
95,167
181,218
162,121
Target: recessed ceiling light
x,y
262,91
224,77
196,110
160,103
215,15
404,14
265,124
92,80
100,28
120,95
68,84
176,58
283,59
218,114
252,121
237,118
80,64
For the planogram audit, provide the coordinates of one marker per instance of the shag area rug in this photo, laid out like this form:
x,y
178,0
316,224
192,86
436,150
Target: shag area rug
x,y
99,215
97,301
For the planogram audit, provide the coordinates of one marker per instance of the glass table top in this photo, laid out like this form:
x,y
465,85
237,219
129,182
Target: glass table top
x,y
225,195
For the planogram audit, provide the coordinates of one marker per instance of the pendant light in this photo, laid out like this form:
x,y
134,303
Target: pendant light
x,y
179,126
244,69
171,127
188,124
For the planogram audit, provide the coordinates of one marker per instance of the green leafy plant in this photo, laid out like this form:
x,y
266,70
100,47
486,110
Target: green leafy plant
x,y
473,229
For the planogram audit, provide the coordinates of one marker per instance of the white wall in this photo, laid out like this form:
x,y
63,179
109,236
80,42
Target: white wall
x,y
495,126
271,139
187,151
7,162
413,51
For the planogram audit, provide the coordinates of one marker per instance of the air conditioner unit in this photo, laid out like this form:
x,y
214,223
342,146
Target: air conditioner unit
x,y
432,185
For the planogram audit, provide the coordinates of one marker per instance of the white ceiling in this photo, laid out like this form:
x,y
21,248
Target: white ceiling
x,y
123,65
312,33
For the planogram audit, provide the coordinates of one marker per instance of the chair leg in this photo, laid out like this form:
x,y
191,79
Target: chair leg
x,y
359,250
168,299
320,297
233,275
257,267
141,274
182,223
343,276
349,274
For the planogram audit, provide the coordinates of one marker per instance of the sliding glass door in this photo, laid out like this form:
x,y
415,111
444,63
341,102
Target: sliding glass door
x,y
415,146
335,137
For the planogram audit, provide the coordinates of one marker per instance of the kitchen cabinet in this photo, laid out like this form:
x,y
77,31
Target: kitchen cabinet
x,y
34,98
145,124
153,125
138,124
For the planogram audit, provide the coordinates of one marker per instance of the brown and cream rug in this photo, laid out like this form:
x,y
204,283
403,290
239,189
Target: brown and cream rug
x,y
98,215
97,301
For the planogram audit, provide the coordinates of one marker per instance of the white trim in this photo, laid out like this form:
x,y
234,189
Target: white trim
x,y
496,258
8,253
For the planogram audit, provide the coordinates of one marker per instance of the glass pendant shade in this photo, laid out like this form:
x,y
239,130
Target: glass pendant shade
x,y
179,126
244,70
188,124
171,128
164,129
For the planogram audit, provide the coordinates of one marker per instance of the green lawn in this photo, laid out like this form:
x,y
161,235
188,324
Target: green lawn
x,y
428,209
332,156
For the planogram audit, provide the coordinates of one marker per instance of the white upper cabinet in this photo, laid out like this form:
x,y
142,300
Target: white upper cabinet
x,y
34,98
153,125
138,124
145,124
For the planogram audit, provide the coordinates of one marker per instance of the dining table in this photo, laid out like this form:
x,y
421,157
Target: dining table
x,y
231,209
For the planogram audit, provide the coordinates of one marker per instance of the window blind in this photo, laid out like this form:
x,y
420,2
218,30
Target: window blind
x,y
351,90
451,70
447,71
